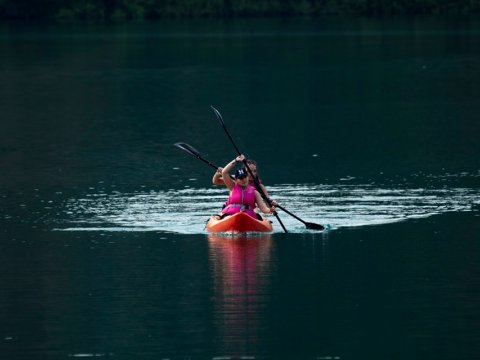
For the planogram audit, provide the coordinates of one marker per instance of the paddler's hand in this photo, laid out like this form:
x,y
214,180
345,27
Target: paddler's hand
x,y
240,158
272,209
219,171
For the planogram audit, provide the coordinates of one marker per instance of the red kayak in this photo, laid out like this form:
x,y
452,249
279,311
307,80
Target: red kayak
x,y
238,223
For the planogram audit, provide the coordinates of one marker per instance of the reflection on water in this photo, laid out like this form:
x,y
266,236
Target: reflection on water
x,y
241,273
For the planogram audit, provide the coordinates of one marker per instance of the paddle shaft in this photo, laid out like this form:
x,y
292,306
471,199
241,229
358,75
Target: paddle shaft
x,y
206,161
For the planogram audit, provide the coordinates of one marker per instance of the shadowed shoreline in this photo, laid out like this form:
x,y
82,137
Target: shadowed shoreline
x,y
119,11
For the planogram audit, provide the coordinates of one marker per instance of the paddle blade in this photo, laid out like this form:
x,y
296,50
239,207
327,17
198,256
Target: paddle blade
x,y
313,226
218,115
188,148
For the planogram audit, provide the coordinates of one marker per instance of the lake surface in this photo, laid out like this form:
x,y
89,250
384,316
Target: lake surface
x,y
369,127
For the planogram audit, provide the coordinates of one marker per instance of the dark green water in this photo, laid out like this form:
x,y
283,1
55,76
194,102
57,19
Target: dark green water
x,y
369,127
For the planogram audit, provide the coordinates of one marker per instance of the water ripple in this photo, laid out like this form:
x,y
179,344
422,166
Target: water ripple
x,y
335,206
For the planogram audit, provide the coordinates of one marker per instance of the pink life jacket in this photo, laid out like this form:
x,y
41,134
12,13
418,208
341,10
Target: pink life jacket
x,y
241,199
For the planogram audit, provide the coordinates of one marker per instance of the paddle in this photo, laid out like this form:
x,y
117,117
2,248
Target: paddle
x,y
189,149
255,180
194,152
309,225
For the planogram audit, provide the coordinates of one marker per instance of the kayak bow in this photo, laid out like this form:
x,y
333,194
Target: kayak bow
x,y
238,223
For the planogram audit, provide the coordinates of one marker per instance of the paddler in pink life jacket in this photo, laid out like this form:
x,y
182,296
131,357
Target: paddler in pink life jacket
x,y
252,165
243,196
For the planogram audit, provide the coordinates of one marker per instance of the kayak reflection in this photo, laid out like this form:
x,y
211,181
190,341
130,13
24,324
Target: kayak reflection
x,y
241,274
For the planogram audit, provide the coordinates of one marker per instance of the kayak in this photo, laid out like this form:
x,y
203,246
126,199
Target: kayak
x,y
238,223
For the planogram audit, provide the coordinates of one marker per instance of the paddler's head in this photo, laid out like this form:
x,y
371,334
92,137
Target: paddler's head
x,y
252,165
241,177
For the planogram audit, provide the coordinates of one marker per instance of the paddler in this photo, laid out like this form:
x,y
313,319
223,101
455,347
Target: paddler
x,y
243,196
252,165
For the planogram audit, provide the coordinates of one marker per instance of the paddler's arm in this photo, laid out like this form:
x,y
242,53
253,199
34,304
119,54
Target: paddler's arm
x,y
274,203
217,177
261,204
229,183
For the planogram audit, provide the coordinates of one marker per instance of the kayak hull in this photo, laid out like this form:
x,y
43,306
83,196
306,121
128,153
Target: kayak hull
x,y
238,223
